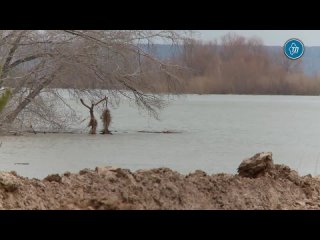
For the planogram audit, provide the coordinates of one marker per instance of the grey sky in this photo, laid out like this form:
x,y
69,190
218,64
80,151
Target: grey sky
x,y
269,37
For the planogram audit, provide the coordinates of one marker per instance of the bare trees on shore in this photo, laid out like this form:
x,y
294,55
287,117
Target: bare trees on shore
x,y
35,63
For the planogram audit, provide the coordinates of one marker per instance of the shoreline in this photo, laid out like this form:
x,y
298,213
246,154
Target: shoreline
x,y
111,188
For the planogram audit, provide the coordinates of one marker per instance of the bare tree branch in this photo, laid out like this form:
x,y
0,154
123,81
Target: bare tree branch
x,y
81,100
27,59
103,99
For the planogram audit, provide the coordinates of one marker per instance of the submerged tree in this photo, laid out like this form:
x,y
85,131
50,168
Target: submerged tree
x,y
93,121
36,63
106,119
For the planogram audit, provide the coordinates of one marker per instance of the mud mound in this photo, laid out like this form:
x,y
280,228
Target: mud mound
x,y
270,187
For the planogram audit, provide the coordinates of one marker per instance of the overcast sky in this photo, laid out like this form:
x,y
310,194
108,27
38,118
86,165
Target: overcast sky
x,y
269,37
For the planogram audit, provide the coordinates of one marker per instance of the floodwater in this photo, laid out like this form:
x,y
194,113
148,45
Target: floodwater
x,y
216,133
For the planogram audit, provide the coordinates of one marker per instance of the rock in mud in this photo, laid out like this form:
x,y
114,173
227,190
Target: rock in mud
x,y
84,171
9,182
53,178
256,166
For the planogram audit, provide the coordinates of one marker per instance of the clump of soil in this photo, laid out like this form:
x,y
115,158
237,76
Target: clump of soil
x,y
268,186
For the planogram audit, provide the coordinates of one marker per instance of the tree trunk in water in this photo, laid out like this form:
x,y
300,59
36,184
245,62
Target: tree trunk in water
x,y
106,119
93,123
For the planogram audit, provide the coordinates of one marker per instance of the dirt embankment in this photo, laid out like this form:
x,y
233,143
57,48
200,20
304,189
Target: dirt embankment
x,y
274,187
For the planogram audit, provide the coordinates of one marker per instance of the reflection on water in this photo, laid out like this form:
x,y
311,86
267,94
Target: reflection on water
x,y
217,132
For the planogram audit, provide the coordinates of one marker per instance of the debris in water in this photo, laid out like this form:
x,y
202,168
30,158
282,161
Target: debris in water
x,y
143,131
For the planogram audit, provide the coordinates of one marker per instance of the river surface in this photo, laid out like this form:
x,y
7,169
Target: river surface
x,y
216,132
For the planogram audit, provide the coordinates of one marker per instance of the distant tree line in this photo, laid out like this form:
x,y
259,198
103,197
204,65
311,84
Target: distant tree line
x,y
242,66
